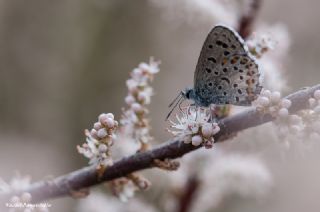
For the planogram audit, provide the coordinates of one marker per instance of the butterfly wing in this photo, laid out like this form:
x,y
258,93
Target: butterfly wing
x,y
225,73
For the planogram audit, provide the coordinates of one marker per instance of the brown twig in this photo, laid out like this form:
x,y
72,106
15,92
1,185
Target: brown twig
x,y
87,177
247,20
188,194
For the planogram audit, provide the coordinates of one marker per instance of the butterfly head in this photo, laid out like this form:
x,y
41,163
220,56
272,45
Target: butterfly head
x,y
188,93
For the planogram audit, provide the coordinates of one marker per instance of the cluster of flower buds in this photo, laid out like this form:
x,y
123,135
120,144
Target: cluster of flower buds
x,y
311,117
271,102
99,140
134,120
194,128
258,45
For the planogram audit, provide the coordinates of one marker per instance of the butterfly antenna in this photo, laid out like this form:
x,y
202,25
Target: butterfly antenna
x,y
175,99
177,102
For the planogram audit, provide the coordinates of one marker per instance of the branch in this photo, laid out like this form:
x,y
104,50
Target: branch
x,y
87,177
247,20
189,192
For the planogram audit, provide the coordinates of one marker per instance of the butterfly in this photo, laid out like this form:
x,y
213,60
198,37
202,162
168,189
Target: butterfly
x,y
226,73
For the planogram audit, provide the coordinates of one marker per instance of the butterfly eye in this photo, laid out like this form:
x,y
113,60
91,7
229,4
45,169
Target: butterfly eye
x,y
188,95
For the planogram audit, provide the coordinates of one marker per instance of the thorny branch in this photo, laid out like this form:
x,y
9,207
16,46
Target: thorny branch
x,y
87,177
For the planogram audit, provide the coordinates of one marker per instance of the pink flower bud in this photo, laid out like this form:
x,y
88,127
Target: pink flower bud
x,y
109,122
286,103
142,96
102,117
103,148
312,102
132,85
26,197
97,126
283,113
136,107
196,140
93,133
102,133
129,100
216,129
317,94
207,130
263,101
266,93
110,115
275,97
144,66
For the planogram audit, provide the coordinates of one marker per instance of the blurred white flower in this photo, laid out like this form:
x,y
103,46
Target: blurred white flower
x,y
16,183
270,44
99,202
226,11
231,175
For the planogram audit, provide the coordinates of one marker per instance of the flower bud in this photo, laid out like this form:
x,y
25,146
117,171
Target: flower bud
x,y
275,97
136,107
26,197
102,133
109,122
207,130
286,103
264,101
97,126
102,117
196,140
129,100
266,93
312,102
102,148
317,94
283,113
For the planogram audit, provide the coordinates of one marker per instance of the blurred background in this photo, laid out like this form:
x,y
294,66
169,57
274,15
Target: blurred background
x,y
65,62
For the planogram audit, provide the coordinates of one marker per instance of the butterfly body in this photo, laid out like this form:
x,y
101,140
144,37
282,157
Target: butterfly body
x,y
226,73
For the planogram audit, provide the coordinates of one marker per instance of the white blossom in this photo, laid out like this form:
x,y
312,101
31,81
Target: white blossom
x,y
194,127
134,122
99,140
